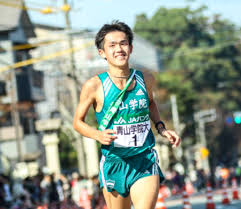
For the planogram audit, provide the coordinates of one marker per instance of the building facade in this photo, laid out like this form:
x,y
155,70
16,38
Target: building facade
x,y
22,86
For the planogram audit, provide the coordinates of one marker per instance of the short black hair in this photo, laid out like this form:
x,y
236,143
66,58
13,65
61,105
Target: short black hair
x,y
114,26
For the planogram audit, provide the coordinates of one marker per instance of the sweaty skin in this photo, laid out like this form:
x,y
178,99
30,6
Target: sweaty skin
x,y
92,94
116,51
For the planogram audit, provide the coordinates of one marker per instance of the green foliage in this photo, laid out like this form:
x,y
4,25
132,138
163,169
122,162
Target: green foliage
x,y
201,58
206,50
67,153
175,83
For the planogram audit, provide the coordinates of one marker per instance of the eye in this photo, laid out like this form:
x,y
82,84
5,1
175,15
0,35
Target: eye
x,y
124,43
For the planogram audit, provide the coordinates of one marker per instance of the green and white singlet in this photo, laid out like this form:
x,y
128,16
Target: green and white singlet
x,y
132,120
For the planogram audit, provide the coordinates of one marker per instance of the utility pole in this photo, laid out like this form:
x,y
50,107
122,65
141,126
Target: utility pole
x,y
177,126
74,92
15,114
175,115
202,117
72,61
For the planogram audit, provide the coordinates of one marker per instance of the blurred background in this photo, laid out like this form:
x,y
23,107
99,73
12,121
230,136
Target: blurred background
x,y
47,52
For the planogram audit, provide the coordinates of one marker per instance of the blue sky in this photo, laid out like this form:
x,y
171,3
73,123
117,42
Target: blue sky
x,y
93,14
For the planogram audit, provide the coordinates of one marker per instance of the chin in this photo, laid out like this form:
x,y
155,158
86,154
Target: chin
x,y
119,64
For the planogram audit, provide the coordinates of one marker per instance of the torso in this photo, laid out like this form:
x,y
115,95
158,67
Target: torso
x,y
132,122
120,84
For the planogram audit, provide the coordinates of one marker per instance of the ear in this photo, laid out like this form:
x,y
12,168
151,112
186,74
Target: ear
x,y
131,48
102,53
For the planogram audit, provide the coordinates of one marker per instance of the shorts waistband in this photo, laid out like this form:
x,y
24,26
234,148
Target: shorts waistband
x,y
116,158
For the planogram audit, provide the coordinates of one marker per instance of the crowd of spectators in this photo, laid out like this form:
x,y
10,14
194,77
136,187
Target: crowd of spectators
x,y
49,190
57,191
198,179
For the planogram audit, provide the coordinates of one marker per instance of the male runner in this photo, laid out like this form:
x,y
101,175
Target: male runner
x,y
129,170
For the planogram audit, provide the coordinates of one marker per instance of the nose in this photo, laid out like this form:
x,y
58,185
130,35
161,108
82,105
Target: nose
x,y
118,47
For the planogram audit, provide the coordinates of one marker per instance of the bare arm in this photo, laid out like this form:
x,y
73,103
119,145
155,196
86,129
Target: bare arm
x,y
155,115
88,98
154,112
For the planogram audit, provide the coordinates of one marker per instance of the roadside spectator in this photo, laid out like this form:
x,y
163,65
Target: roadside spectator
x,y
45,185
75,187
238,174
201,180
53,193
96,191
66,187
6,189
59,187
178,181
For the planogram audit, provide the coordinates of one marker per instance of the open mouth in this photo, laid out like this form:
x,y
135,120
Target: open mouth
x,y
120,56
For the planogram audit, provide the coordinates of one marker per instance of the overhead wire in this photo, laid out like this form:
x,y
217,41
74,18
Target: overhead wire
x,y
90,43
36,3
48,42
60,53
31,45
45,57
45,10
18,6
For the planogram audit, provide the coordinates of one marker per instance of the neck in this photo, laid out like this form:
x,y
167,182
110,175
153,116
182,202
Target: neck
x,y
126,76
119,73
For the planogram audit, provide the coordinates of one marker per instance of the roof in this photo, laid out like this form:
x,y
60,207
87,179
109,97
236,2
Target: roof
x,y
10,15
48,27
13,17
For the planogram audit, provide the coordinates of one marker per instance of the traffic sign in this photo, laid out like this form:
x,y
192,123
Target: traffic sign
x,y
204,152
237,117
229,120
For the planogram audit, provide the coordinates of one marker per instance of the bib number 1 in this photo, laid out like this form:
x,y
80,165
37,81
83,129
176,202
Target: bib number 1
x,y
135,140
131,135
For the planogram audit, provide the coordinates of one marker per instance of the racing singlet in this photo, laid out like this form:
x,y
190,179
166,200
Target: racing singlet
x,y
131,121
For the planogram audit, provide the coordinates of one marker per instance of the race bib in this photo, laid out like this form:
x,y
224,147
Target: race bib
x,y
131,135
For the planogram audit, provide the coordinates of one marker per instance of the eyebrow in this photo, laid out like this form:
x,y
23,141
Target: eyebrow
x,y
115,42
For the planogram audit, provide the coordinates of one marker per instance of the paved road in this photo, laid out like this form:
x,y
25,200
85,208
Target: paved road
x,y
198,201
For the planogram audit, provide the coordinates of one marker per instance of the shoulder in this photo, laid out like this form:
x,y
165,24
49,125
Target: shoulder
x,y
91,85
148,78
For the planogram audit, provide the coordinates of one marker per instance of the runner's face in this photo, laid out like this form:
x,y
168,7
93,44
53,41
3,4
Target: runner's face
x,y
116,49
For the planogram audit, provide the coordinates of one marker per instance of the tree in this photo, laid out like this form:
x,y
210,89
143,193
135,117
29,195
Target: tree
x,y
202,65
67,153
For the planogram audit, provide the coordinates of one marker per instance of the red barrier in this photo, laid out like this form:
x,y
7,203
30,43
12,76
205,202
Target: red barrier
x,y
225,200
160,201
235,189
186,203
210,204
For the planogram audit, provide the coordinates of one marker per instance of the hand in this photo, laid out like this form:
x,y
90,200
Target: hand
x,y
171,136
106,137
